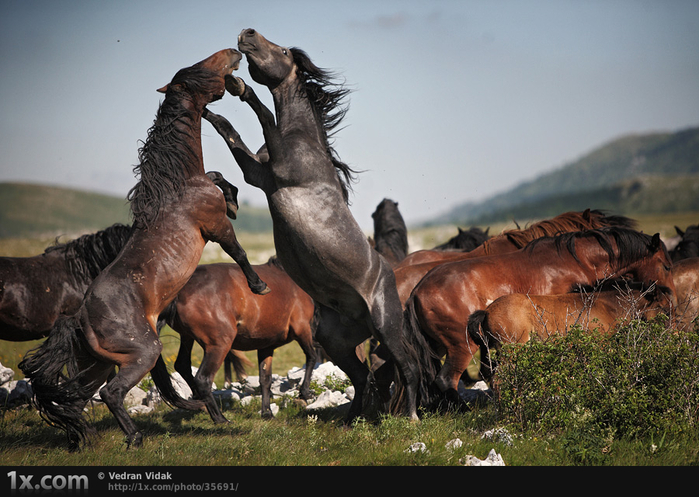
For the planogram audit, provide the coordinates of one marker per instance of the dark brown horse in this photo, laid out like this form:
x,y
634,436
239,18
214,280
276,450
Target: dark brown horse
x,y
35,291
216,310
317,239
442,302
411,270
688,245
176,209
516,318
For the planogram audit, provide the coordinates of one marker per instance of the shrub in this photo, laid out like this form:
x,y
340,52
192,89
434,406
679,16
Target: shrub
x,y
641,380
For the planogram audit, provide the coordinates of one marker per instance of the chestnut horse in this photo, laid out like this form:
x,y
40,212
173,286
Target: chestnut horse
x,y
318,241
440,305
216,310
35,291
176,209
516,317
411,270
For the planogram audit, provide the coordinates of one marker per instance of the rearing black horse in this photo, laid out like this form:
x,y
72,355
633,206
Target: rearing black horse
x,y
317,239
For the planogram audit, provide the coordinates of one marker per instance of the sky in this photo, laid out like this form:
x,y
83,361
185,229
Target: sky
x,y
452,101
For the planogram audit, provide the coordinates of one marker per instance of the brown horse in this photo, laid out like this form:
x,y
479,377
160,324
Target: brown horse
x,y
442,302
35,291
685,273
515,318
176,209
216,310
318,241
416,265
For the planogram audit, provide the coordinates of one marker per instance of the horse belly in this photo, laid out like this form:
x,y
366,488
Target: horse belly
x,y
321,246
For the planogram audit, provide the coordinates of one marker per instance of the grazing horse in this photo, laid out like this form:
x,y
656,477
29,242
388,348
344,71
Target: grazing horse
x,y
411,270
35,291
242,321
442,302
318,241
176,209
516,317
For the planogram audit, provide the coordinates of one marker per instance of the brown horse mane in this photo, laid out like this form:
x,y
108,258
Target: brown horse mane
x,y
326,98
165,155
563,223
89,254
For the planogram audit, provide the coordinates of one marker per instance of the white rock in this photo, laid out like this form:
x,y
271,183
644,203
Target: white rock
x,y
493,459
328,399
6,374
417,447
454,444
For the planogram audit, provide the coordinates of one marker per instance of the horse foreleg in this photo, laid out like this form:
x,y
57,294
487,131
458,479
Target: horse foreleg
x,y
230,193
229,243
264,358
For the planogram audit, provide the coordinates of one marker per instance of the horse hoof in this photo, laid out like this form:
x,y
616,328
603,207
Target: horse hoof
x,y
235,85
263,291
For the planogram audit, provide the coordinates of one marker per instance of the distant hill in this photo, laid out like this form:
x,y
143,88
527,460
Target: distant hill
x,y
28,210
630,175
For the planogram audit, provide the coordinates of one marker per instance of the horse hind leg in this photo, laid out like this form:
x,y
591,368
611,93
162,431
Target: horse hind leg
x,y
339,338
133,368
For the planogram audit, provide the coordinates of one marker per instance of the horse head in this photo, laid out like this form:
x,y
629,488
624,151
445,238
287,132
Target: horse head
x,y
205,90
269,64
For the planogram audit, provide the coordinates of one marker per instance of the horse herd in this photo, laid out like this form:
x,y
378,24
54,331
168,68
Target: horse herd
x,y
101,300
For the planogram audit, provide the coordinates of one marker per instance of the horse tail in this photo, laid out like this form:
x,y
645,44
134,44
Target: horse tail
x,y
163,382
160,375
423,355
479,332
52,369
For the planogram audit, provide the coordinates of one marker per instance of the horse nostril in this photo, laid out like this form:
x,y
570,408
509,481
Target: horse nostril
x,y
250,32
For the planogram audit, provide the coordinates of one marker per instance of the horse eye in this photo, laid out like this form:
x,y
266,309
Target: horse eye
x,y
284,51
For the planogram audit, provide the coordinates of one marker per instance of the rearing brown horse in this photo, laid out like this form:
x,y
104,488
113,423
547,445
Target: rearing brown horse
x,y
176,209
317,239
441,304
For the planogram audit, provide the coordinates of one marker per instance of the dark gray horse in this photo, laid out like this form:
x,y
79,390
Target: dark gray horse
x,y
317,239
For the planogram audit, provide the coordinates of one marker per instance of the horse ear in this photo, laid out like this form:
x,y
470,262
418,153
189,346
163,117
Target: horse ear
x,y
655,242
679,231
163,89
586,214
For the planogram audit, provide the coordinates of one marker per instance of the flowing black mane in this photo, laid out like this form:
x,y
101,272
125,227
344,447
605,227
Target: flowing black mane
x,y
165,155
631,245
88,255
326,99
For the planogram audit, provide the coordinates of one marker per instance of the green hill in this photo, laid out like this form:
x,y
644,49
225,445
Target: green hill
x,y
628,176
28,210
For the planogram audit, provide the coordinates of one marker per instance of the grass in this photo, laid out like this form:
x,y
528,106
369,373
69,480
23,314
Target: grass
x,y
295,438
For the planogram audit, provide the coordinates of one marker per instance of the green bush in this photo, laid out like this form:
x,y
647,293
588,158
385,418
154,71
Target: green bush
x,y
641,381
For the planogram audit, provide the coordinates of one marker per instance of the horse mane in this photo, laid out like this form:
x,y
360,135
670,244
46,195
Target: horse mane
x,y
390,231
166,154
631,245
563,223
326,99
88,255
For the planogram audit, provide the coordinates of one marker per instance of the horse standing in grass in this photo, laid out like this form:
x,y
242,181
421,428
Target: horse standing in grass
x,y
318,241
517,317
441,304
216,310
35,291
176,209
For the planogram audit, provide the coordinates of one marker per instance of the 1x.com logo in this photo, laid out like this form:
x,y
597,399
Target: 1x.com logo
x,y
27,483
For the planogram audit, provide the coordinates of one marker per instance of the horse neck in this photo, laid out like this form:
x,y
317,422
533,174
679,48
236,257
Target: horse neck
x,y
294,111
188,126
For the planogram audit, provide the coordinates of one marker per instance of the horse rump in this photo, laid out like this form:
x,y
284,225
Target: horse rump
x,y
58,392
